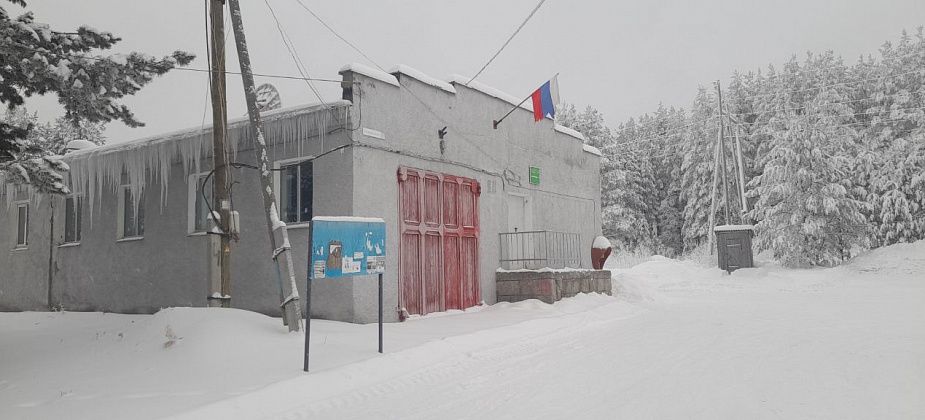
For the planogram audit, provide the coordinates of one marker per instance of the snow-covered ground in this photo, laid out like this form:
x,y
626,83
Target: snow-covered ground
x,y
679,341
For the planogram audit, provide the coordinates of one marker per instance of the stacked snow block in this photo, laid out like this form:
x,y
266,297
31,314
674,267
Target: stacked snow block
x,y
549,285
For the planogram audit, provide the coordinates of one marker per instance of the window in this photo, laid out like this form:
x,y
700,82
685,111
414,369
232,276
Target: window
x,y
295,192
131,214
198,211
22,225
72,219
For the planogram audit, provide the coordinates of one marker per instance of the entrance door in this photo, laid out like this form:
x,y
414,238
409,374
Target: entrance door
x,y
516,213
438,263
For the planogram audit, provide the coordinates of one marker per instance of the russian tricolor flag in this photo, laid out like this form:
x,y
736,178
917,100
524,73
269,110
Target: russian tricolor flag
x,y
545,99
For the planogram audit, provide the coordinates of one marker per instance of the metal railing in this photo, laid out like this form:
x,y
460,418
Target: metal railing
x,y
540,249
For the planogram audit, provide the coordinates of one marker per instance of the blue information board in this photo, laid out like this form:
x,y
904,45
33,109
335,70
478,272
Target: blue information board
x,y
343,247
346,246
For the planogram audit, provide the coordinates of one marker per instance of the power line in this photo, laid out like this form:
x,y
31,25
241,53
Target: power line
x,y
538,5
410,91
771,111
87,57
823,68
292,53
682,140
620,130
329,28
849,83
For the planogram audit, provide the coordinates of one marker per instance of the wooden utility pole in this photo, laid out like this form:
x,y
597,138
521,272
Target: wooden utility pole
x,y
220,278
713,196
722,145
279,237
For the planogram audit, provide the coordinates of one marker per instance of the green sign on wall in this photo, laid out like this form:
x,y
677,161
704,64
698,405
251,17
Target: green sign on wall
x,y
534,175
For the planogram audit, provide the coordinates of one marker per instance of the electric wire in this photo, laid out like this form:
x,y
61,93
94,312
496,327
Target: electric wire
x,y
427,107
522,24
192,69
293,53
329,28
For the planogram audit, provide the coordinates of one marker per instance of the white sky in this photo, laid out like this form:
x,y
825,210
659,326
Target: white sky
x,y
620,57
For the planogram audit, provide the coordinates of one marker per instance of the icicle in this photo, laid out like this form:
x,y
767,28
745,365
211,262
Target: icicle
x,y
106,169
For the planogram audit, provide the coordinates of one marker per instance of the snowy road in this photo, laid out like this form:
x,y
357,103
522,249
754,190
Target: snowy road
x,y
681,341
842,343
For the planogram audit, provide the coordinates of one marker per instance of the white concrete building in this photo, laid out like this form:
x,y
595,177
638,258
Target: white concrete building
x,y
132,237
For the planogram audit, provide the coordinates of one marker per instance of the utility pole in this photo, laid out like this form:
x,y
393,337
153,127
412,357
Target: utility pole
x,y
713,196
741,173
279,237
220,276
722,145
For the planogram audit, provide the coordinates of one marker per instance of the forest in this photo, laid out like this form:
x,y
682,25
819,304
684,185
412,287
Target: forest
x,y
832,159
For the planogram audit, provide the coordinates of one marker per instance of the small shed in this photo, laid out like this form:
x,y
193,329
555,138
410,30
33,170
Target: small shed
x,y
734,246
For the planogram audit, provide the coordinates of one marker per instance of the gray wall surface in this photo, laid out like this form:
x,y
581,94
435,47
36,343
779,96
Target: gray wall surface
x,y
567,199
168,267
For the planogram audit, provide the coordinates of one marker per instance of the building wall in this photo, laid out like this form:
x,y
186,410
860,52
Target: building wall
x,y
24,271
567,199
168,266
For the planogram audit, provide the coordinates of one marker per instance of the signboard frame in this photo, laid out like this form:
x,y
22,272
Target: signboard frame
x,y
344,247
534,175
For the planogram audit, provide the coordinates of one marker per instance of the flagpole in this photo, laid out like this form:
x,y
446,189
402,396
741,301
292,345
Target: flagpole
x,y
495,123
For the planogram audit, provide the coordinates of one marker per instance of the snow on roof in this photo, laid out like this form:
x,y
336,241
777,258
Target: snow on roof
x,y
347,219
565,130
490,91
191,131
592,150
74,145
371,72
726,228
420,76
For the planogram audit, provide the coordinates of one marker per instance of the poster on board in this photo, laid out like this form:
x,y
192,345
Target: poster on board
x,y
347,246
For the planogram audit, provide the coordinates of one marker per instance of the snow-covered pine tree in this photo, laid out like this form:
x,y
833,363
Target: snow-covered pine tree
x,y
697,170
804,210
663,152
53,137
894,153
590,123
624,210
38,60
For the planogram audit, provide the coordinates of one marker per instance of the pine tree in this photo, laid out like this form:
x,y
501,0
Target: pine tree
x,y
804,211
624,211
53,137
697,171
894,154
37,60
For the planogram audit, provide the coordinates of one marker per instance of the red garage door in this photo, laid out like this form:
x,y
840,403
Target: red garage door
x,y
439,266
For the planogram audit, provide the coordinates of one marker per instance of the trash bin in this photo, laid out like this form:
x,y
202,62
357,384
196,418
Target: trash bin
x,y
734,246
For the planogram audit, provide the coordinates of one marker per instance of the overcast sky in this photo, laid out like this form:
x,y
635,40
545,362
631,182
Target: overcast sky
x,y
621,57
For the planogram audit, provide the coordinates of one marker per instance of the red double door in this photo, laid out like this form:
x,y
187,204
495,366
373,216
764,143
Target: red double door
x,y
439,260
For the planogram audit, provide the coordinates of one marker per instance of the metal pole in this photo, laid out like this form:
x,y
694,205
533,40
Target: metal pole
x,y
308,317
380,313
495,123
308,298
278,234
